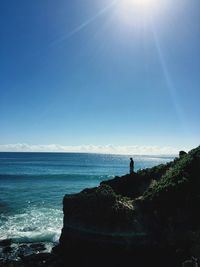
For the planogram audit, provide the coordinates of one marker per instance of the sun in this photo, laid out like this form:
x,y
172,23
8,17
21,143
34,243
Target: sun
x,y
139,3
129,10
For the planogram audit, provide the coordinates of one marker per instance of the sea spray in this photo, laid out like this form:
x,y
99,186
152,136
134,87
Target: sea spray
x,y
35,225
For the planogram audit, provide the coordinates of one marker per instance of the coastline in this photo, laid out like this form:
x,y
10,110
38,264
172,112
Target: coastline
x,y
149,217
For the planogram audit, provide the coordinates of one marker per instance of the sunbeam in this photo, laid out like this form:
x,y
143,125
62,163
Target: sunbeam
x,y
83,25
168,79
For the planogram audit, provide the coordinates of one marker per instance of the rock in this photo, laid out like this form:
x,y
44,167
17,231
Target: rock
x,y
37,257
102,223
40,259
98,210
38,246
190,263
23,250
5,242
7,249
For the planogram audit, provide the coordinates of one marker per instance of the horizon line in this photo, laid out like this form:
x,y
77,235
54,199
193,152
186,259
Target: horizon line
x,y
136,150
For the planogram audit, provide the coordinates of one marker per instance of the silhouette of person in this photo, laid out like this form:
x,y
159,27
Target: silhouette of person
x,y
131,165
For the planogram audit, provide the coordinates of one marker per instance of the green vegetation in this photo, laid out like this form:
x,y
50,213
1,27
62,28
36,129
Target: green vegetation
x,y
182,171
177,190
155,172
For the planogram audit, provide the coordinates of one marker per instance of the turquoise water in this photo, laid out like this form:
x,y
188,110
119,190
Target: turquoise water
x,y
32,186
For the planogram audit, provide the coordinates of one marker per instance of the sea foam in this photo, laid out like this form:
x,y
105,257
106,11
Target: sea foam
x,y
35,225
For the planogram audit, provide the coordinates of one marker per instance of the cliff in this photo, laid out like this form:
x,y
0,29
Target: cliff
x,y
145,217
99,224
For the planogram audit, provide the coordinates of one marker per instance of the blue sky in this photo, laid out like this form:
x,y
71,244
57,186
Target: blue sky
x,y
97,72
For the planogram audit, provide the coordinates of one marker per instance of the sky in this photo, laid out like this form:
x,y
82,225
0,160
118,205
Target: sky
x,y
99,75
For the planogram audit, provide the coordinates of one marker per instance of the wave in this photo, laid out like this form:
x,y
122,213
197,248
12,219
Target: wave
x,y
35,237
32,225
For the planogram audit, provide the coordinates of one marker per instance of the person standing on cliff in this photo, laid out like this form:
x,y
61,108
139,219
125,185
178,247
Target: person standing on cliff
x,y
131,165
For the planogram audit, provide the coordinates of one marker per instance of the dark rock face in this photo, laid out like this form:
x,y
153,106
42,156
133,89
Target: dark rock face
x,y
98,213
98,208
99,224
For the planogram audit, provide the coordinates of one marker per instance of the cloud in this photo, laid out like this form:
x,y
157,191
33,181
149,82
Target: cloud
x,y
105,149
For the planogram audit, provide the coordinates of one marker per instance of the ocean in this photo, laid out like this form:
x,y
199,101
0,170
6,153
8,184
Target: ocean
x,y
32,186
